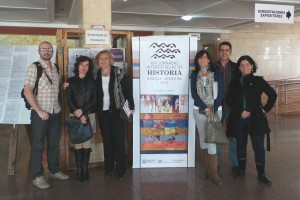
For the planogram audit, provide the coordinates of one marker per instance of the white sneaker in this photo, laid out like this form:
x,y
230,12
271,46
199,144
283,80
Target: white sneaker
x,y
40,182
58,175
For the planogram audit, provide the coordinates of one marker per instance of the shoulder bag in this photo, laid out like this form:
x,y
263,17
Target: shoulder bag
x,y
78,131
214,131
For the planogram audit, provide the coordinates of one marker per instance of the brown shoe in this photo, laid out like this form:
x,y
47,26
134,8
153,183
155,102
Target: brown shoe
x,y
216,179
205,174
214,169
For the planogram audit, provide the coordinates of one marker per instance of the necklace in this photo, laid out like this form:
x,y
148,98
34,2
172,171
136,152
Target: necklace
x,y
204,71
106,74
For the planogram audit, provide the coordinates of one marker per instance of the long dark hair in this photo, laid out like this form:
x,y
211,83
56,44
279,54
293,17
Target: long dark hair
x,y
198,55
250,60
81,59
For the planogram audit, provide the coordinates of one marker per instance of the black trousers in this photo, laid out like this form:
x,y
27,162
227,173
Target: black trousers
x,y
257,141
112,129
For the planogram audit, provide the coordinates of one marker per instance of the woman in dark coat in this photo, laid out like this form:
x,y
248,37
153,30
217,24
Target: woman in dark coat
x,y
111,81
81,98
247,115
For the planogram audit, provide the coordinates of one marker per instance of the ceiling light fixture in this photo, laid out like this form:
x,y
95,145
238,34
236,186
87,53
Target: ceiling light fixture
x,y
187,17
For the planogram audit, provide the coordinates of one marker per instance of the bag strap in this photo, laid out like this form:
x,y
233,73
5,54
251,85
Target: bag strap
x,y
215,117
39,74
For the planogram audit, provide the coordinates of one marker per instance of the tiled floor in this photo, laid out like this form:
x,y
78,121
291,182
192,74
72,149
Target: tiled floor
x,y
282,166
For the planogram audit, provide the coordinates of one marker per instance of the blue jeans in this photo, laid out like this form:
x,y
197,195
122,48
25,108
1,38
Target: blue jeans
x,y
257,141
232,155
42,129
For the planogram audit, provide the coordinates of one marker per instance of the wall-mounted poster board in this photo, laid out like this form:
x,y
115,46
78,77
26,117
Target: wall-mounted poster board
x,y
14,62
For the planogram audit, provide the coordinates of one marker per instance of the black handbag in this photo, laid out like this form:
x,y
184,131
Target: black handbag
x,y
214,131
78,131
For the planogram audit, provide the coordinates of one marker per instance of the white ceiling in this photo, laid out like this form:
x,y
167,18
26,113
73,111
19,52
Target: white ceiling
x,y
210,16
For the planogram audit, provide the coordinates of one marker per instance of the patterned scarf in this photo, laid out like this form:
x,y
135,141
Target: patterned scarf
x,y
205,87
118,94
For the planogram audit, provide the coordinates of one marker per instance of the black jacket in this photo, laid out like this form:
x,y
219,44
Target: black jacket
x,y
125,89
254,86
79,96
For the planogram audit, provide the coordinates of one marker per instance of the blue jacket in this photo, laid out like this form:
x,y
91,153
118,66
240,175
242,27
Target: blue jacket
x,y
218,77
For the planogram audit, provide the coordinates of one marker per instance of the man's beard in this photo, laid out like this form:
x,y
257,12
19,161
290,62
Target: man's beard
x,y
48,58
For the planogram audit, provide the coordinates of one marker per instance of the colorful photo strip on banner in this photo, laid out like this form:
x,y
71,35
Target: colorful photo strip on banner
x,y
164,123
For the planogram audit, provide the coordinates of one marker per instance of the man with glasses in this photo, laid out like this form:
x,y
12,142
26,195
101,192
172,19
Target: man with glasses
x,y
230,71
45,116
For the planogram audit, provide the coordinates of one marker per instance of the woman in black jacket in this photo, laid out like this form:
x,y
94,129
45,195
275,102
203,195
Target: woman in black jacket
x,y
247,115
111,82
81,98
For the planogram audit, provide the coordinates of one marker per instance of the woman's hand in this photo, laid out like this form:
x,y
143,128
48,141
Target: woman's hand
x,y
83,119
208,112
132,111
245,114
78,112
65,85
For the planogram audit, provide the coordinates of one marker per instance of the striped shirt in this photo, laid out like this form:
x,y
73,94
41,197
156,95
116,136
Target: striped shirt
x,y
47,97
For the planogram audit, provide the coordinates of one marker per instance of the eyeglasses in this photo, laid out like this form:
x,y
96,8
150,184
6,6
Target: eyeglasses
x,y
46,49
224,50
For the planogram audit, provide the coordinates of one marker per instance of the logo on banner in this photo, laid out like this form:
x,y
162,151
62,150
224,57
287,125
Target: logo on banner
x,y
164,50
149,161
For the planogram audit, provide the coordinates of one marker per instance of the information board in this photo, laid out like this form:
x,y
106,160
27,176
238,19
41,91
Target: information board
x,y
14,62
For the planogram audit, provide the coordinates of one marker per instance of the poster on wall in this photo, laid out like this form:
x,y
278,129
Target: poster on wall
x,y
117,53
73,54
14,62
161,66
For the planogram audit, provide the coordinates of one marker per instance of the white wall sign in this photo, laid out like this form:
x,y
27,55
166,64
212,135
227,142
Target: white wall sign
x,y
97,27
97,37
195,35
274,13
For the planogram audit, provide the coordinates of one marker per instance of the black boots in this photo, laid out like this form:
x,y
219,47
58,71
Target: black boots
x,y
86,159
82,157
261,174
260,170
242,169
79,163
